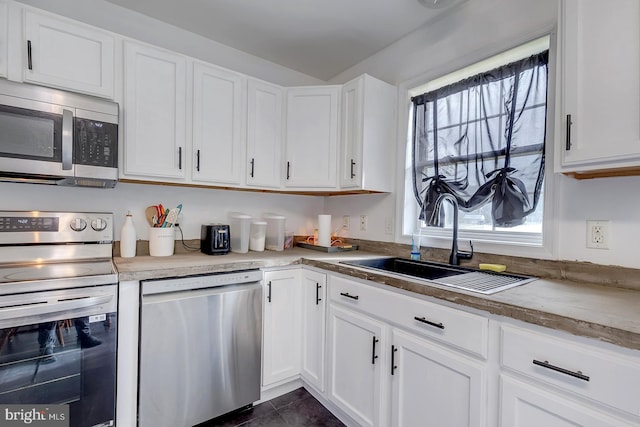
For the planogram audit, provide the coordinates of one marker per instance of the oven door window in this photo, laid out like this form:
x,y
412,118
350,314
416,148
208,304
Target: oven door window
x,y
30,134
65,361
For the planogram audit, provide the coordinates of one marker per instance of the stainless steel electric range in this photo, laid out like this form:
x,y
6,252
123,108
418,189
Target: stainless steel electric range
x,y
58,313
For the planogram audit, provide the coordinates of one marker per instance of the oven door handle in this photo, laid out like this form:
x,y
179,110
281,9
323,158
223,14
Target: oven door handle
x,y
48,307
67,139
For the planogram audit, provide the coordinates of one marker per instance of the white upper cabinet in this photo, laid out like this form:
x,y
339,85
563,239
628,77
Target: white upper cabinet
x,y
218,125
312,137
154,113
264,135
4,37
599,85
68,55
367,149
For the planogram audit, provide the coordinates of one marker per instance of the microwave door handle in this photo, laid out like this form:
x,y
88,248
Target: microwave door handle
x,y
14,314
67,139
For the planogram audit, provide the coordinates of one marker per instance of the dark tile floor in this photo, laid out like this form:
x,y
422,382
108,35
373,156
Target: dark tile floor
x,y
295,409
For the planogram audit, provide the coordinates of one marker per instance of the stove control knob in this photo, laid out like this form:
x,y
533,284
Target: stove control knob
x,y
78,224
98,224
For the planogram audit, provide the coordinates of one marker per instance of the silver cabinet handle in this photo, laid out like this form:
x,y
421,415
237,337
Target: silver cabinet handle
x,y
67,139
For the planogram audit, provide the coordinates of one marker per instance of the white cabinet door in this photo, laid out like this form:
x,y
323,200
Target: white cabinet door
x,y
4,37
525,405
312,137
218,123
367,139
356,344
434,387
314,302
68,55
264,135
281,329
154,112
600,85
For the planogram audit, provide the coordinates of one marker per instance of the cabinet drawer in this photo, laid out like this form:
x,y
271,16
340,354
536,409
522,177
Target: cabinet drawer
x,y
600,375
358,295
457,328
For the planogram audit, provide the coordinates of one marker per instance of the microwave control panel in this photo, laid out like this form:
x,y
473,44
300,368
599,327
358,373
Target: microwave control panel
x,y
96,143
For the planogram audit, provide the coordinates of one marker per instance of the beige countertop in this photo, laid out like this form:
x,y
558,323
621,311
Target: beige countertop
x,y
605,313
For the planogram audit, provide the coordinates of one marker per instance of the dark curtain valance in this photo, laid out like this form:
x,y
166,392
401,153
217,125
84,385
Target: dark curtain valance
x,y
482,140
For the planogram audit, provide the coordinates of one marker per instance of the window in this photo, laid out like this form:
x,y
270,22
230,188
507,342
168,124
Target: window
x,y
479,134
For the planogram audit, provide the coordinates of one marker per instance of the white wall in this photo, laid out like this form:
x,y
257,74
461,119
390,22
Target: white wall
x,y
613,199
476,30
200,206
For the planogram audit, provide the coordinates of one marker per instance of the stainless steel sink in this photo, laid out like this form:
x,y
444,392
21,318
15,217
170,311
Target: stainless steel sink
x,y
484,282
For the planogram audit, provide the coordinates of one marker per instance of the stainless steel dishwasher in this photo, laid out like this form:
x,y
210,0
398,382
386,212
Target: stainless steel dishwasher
x,y
200,344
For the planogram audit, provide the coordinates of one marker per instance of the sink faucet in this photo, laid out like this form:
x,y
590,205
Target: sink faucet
x,y
456,255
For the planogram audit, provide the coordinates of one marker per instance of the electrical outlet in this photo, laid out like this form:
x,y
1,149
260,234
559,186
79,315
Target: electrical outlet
x,y
388,225
346,222
363,223
598,234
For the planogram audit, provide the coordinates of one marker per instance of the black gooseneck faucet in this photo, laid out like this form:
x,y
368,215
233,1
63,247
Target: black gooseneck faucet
x,y
456,255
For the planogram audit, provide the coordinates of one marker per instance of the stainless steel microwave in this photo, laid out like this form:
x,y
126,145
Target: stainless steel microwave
x,y
49,136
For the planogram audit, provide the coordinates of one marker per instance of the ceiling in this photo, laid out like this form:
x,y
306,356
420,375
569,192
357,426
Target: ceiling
x,y
317,38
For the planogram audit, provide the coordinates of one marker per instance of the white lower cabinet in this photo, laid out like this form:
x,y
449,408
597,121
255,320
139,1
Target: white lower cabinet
x,y
355,344
281,326
381,373
565,381
525,405
380,357
434,387
314,304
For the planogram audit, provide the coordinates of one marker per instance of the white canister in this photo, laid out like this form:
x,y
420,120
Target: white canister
x,y
161,241
257,236
128,238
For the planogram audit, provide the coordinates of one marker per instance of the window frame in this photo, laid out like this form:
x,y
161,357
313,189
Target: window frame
x,y
498,242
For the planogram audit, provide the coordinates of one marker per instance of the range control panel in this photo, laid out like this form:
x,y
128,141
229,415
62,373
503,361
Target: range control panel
x,y
26,224
24,227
